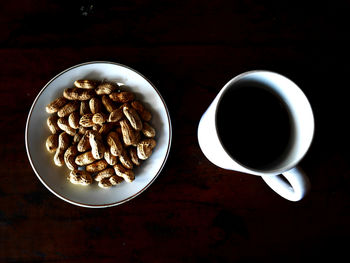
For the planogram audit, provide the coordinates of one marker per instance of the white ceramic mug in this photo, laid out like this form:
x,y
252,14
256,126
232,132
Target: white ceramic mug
x,y
302,130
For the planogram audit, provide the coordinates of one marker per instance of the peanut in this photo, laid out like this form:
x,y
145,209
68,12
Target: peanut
x,y
108,103
130,136
82,130
96,166
106,88
55,105
78,94
73,120
84,159
104,174
133,156
137,106
95,105
84,144
133,117
105,183
99,118
58,157
127,174
52,143
97,147
96,127
69,157
64,125
77,137
85,84
114,180
122,97
144,114
63,141
84,108
106,127
80,177
145,147
125,160
148,130
52,124
109,157
116,115
113,141
86,120
68,109
63,144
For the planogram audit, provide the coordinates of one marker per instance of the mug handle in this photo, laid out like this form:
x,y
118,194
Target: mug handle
x,y
296,186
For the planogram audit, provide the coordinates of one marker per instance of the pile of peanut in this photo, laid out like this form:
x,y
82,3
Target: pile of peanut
x,y
100,132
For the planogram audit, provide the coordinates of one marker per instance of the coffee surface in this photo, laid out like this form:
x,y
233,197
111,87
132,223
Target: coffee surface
x,y
253,125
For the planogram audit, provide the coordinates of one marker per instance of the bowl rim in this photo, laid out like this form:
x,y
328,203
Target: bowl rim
x,y
107,204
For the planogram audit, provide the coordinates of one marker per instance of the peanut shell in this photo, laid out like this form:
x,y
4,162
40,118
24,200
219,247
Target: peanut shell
x,y
96,127
86,120
148,130
69,157
85,84
55,105
78,94
108,103
96,166
99,118
143,113
77,137
125,160
68,109
105,128
84,144
116,115
80,177
115,180
52,143
95,105
104,183
145,147
84,108
104,174
130,136
97,147
133,117
63,144
84,159
122,97
116,147
73,120
126,174
106,88
52,124
109,157
133,156
137,105
64,125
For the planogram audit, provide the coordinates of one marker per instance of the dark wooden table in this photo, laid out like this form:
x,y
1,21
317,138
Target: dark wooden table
x,y
194,211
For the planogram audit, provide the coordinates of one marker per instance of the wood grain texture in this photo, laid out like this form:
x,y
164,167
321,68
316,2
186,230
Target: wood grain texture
x,y
194,211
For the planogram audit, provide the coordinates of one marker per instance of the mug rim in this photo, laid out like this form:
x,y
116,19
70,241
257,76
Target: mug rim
x,y
263,171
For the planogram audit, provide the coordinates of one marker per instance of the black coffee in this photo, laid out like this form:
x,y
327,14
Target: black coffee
x,y
253,126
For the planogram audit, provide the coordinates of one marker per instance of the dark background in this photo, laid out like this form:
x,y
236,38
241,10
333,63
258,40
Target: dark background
x,y
194,211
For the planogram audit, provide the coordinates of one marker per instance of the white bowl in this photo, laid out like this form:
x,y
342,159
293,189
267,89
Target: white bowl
x,y
54,178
